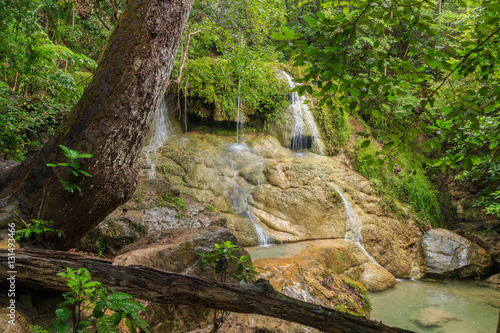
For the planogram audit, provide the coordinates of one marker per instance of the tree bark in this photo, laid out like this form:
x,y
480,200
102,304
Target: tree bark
x,y
110,121
38,269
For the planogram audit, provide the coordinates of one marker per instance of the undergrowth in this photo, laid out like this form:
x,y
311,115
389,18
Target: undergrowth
x,y
403,184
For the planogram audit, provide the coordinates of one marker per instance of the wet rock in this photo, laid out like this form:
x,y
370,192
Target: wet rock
x,y
375,278
382,245
433,317
290,197
444,253
486,233
155,206
175,250
492,282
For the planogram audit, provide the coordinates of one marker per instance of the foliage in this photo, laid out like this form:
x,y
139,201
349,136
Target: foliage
x,y
220,81
26,122
38,228
220,260
334,128
72,155
90,305
426,78
179,202
223,256
31,63
401,184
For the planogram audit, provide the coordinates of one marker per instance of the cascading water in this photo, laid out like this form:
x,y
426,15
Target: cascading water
x,y
304,133
354,227
239,198
162,131
238,118
185,104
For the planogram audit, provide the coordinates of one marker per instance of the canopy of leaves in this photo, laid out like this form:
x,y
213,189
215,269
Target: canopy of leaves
x,y
424,77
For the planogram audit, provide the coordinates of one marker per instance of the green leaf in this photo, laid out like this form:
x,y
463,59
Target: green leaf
x,y
311,21
119,296
129,306
85,155
61,326
85,173
51,165
106,324
437,162
433,64
63,313
365,143
66,150
467,164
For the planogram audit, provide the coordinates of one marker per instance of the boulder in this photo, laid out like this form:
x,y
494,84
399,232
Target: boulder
x,y
492,282
175,250
444,253
155,206
433,317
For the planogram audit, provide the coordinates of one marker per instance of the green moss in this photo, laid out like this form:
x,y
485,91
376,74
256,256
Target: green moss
x,y
334,128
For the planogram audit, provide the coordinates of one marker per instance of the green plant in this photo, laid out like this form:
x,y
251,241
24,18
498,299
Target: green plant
x,y
38,329
91,306
72,155
179,202
38,228
220,259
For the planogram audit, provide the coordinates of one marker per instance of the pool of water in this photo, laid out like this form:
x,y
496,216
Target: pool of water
x,y
277,251
471,303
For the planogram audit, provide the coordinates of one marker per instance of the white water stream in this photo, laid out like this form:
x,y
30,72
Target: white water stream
x,y
304,134
239,197
353,227
163,130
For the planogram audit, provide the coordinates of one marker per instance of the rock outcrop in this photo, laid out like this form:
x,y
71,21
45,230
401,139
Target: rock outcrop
x,y
262,187
443,253
155,206
175,250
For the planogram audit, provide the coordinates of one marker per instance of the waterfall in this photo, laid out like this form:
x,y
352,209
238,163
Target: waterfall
x,y
239,197
238,118
304,132
185,104
353,227
162,131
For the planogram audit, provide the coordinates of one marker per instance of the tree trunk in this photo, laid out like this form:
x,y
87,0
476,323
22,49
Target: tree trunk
x,y
110,121
38,269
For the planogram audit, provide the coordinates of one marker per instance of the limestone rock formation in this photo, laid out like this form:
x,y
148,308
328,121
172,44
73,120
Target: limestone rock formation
x,y
264,189
155,206
444,253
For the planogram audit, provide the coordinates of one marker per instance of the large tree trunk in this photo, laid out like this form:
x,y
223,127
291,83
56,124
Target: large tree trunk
x,y
111,121
38,269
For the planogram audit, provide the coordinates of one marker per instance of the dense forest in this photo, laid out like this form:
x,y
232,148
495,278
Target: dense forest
x,y
408,91
421,76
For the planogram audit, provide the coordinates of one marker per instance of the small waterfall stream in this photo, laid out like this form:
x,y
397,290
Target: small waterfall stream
x,y
239,197
304,134
353,227
238,117
163,129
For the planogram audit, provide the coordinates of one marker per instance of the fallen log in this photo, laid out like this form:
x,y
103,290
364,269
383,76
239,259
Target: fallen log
x,y
37,269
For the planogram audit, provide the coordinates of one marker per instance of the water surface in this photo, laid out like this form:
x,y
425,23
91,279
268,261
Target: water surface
x,y
467,300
